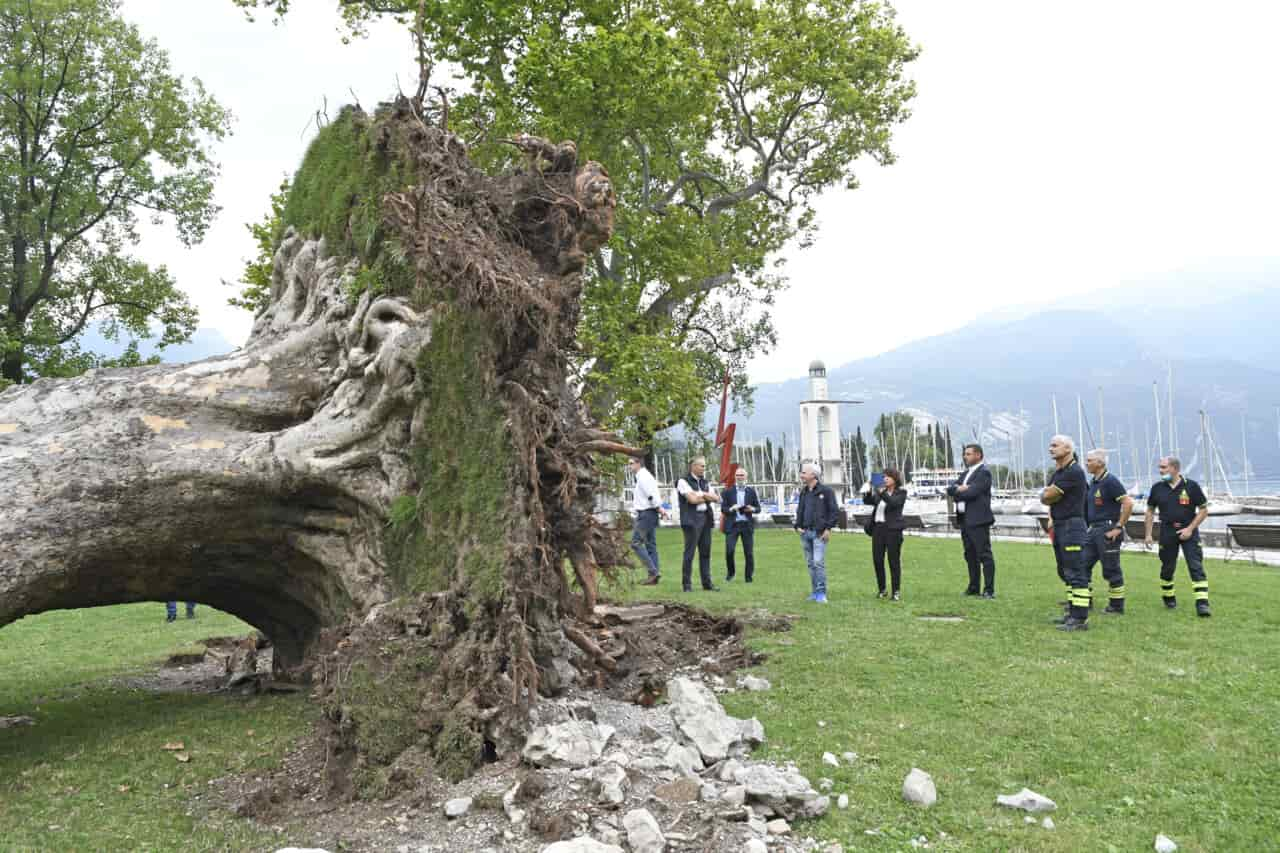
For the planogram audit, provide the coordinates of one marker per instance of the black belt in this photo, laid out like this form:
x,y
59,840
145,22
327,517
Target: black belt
x,y
649,509
1107,522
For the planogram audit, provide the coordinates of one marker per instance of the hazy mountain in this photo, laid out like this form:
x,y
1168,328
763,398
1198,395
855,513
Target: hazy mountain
x,y
998,376
204,342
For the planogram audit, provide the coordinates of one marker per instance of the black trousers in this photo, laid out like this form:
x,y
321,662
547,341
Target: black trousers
x,y
978,557
1098,548
1069,536
887,542
697,536
746,531
1170,544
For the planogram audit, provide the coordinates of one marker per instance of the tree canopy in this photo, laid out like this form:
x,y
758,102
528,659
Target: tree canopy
x,y
720,123
95,131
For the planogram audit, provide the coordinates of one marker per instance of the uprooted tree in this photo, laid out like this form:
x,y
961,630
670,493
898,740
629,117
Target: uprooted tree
x,y
401,427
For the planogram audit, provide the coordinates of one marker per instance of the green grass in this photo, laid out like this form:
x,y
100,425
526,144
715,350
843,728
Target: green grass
x,y
1000,701
61,780
1092,720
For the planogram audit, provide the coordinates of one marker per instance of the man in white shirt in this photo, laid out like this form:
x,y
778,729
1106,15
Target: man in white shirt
x,y
696,520
647,505
739,507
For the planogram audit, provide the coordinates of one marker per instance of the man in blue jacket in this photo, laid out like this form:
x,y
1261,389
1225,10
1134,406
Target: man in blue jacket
x,y
972,494
815,516
738,508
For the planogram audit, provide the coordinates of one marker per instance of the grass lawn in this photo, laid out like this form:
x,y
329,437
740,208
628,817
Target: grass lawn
x,y
92,773
1155,722
1096,721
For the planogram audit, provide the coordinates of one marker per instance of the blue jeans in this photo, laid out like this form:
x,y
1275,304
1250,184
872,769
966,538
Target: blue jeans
x,y
644,540
815,555
171,609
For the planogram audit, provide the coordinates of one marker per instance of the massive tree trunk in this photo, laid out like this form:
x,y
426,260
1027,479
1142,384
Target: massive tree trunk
x,y
400,425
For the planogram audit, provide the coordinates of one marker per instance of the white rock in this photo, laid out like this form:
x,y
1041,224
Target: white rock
x,y
1164,844
700,718
754,684
849,757
708,793
757,825
842,801
514,813
1047,823
755,845
1028,819
1027,800
777,827
457,807
814,804
684,759
918,788
825,784
643,833
822,724
582,844
751,731
575,743
728,769
735,796
613,783
829,758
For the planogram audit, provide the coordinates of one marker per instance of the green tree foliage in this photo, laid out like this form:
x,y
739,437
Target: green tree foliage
x,y
95,131
720,124
255,281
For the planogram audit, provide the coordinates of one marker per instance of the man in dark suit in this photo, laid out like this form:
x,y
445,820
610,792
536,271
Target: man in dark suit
x,y
972,494
738,508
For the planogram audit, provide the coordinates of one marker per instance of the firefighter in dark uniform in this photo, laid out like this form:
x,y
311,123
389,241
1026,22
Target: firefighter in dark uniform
x,y
1183,508
1065,497
1107,508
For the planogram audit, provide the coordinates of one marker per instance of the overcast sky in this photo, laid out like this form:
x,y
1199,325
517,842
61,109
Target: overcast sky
x,y
1052,148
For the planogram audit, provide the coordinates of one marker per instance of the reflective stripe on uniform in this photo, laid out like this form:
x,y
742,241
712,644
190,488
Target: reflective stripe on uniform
x,y
1201,589
1117,591
1071,547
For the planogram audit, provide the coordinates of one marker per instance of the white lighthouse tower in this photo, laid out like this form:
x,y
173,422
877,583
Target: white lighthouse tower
x,y
820,427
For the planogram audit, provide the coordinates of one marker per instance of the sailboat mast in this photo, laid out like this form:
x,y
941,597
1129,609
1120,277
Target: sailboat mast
x,y
1079,422
1205,448
1173,427
1057,430
1155,393
1244,451
1102,424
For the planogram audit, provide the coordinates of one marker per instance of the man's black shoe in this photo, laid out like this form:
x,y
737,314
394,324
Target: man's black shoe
x,y
1073,624
971,591
1170,602
688,589
989,595
1112,610
652,580
748,580
1202,609
712,588
171,618
728,578
882,594
1061,619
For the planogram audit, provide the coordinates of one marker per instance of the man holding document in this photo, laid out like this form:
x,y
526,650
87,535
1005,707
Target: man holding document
x,y
738,507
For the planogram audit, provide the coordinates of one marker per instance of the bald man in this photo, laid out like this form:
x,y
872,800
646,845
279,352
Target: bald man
x,y
1065,496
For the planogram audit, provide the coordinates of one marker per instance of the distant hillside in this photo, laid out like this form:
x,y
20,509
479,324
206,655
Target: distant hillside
x,y
204,342
994,370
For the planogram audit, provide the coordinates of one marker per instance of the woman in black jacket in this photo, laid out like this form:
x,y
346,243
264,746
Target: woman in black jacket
x,y
886,532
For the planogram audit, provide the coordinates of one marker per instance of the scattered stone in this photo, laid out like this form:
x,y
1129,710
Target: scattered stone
x,y
829,758
643,833
752,731
1047,823
754,684
842,802
514,813
755,845
457,807
575,743
683,758
700,718
814,805
1177,673
728,770
1028,819
849,756
1027,800
607,834
612,782
825,784
680,791
833,847
918,788
735,796
582,844
777,827
822,724
940,618
649,733
709,792
1164,844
